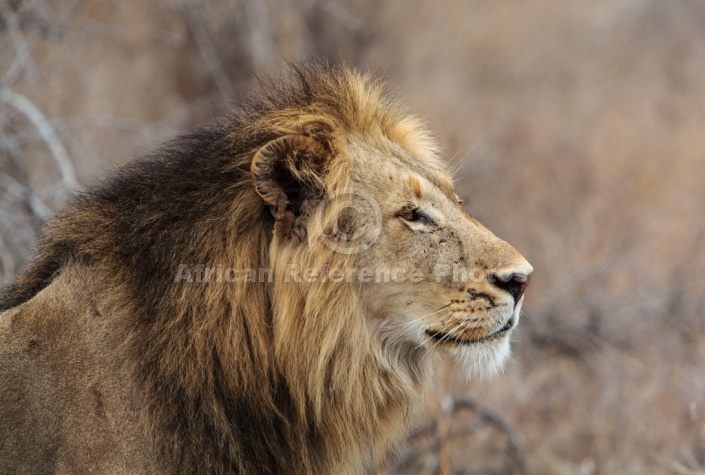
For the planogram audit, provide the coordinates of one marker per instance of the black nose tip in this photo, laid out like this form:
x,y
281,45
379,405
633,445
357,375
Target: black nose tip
x,y
515,283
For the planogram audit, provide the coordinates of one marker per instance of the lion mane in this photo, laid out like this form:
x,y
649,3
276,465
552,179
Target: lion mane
x,y
222,376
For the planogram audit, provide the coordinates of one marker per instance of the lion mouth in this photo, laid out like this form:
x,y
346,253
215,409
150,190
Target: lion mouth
x,y
441,337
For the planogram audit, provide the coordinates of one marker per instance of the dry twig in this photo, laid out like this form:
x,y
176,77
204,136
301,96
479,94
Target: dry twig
x,y
206,48
39,209
46,131
491,417
23,59
259,38
486,416
7,260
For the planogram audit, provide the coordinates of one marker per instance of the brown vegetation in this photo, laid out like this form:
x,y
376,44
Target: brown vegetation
x,y
577,131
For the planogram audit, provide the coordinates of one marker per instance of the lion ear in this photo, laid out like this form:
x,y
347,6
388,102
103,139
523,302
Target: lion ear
x,y
288,174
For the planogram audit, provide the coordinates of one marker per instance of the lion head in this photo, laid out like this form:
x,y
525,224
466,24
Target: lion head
x,y
277,281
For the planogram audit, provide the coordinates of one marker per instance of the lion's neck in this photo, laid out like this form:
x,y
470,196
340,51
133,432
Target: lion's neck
x,y
346,386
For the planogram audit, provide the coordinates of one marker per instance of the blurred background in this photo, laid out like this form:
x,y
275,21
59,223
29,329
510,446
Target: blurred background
x,y
578,132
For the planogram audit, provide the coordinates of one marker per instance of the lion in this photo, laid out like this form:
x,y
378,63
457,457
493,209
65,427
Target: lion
x,y
256,297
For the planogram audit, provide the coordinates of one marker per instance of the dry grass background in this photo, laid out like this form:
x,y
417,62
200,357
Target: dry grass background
x,y
578,131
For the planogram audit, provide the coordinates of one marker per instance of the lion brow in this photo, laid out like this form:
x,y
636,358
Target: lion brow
x,y
424,169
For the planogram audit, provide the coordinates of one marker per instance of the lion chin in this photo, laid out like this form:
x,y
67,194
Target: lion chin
x,y
260,296
480,357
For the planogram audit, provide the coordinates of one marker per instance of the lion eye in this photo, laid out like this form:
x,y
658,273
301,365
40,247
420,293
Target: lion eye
x,y
413,215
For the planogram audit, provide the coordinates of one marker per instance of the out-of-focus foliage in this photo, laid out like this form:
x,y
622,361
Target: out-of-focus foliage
x,y
578,133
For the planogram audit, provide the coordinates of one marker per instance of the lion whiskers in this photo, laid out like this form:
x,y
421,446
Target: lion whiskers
x,y
415,320
448,334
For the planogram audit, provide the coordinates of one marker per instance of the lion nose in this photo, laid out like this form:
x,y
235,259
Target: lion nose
x,y
514,283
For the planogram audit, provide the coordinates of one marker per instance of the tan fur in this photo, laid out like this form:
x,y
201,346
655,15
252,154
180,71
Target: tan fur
x,y
110,363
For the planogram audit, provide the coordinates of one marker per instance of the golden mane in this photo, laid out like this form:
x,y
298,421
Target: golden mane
x,y
251,377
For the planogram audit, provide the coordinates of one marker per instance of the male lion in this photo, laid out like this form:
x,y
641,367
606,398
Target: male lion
x,y
255,297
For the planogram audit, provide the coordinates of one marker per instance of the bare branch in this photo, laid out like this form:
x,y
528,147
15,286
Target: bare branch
x,y
491,417
260,32
401,465
39,209
486,417
207,50
7,260
46,131
23,59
